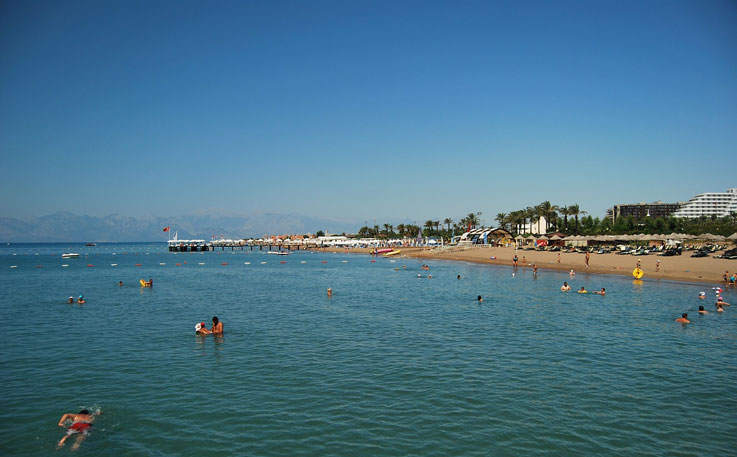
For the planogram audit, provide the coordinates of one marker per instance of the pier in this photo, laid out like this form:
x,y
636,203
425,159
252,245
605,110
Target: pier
x,y
223,245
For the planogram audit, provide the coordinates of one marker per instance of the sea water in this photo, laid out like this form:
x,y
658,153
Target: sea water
x,y
392,365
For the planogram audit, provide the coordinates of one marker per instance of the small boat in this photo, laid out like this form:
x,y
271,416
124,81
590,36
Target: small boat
x,y
90,244
389,254
382,251
70,255
282,253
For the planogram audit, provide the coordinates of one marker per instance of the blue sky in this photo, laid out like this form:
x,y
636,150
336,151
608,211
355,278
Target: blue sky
x,y
386,111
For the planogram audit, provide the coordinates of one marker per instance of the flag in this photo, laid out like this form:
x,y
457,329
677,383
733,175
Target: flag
x,y
166,229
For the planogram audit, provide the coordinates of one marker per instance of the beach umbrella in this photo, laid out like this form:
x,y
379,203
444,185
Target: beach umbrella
x,y
520,237
543,237
732,236
557,238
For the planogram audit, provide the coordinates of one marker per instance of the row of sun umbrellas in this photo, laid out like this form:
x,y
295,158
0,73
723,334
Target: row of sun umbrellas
x,y
638,237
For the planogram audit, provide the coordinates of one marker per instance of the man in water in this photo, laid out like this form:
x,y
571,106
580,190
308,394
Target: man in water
x,y
479,299
683,319
120,283
601,292
583,290
81,425
217,327
702,310
70,300
81,300
565,286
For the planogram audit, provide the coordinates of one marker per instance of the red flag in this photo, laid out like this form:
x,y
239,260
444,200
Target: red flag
x,y
166,229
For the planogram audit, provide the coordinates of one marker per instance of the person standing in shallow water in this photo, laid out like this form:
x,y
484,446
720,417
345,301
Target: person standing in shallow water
x,y
683,319
217,327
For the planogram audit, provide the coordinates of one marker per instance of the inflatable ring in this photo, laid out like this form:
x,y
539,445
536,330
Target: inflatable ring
x,y
637,273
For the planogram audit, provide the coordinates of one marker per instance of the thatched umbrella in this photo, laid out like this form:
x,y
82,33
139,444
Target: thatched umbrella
x,y
543,237
557,238
732,237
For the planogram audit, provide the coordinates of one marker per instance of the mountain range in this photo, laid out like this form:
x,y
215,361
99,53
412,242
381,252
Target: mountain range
x,y
68,227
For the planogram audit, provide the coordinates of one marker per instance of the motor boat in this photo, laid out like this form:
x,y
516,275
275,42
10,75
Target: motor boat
x,y
70,255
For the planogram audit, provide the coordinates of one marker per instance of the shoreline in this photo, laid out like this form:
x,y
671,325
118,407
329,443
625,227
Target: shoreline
x,y
682,269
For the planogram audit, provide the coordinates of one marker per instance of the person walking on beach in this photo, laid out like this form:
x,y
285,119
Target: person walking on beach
x,y
588,255
657,265
559,257
683,319
81,425
524,261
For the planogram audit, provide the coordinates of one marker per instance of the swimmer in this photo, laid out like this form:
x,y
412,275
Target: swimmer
x,y
702,310
217,327
572,273
479,299
601,292
429,276
565,287
720,301
582,290
70,300
702,295
330,292
683,319
150,282
81,425
534,269
458,277
720,307
81,300
120,283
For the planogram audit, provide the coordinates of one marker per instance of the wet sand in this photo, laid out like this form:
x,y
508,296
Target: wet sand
x,y
681,268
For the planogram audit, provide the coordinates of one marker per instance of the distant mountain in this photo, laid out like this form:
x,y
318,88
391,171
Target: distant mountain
x,y
65,226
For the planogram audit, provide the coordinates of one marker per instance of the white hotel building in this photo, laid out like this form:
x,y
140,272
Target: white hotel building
x,y
719,204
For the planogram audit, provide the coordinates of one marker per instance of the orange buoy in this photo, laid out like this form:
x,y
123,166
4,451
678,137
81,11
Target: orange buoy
x,y
90,265
283,261
324,261
224,263
139,265
179,264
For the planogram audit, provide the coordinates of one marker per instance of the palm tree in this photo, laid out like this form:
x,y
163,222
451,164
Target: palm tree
x,y
502,219
472,219
548,212
437,225
447,222
429,224
575,211
401,228
565,211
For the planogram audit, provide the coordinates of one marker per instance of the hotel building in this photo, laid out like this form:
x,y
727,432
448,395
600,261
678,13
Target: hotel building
x,y
708,204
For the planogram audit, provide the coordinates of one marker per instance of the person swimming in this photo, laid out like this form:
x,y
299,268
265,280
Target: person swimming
x,y
582,290
81,300
683,319
702,295
120,283
702,310
81,425
330,292
601,292
70,300
565,287
479,299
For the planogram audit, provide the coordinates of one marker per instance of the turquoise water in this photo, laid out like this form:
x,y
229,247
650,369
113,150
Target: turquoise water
x,y
391,365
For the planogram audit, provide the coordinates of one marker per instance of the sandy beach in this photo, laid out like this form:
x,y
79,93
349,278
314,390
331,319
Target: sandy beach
x,y
681,268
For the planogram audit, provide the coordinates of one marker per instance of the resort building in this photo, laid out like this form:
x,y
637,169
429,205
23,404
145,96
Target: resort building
x,y
642,210
708,204
486,236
